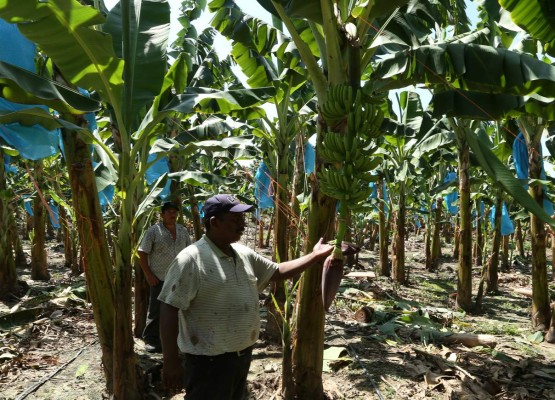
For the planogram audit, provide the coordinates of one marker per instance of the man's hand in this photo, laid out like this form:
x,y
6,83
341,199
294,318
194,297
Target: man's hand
x,y
321,249
172,375
152,279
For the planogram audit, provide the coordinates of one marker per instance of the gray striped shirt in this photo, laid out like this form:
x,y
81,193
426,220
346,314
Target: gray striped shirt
x,y
217,296
158,243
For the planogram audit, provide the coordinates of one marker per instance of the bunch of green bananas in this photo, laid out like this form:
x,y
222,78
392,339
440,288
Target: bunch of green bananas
x,y
346,177
366,120
335,183
338,103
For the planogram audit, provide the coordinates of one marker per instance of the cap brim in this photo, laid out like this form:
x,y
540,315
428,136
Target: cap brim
x,y
240,208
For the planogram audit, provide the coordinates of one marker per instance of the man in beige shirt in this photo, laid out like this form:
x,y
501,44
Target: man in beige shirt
x,y
161,243
210,311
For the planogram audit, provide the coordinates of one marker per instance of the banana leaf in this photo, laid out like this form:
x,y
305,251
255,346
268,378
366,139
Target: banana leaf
x,y
197,178
84,55
34,116
502,176
468,67
146,60
537,17
213,101
164,145
256,45
490,106
210,128
38,90
311,9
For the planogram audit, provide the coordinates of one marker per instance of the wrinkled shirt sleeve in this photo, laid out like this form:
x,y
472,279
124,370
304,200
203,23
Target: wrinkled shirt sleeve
x,y
181,283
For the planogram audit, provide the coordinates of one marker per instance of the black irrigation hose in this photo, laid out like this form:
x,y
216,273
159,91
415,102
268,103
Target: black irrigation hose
x,y
37,385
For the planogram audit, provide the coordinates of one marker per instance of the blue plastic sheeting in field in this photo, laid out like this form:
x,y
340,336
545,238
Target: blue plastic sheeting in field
x,y
451,198
15,48
482,211
89,117
155,171
417,222
7,166
310,155
263,190
520,155
105,196
54,215
32,142
27,204
507,227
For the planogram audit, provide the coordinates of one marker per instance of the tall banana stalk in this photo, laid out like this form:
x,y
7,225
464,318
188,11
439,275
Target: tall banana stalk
x,y
92,236
433,262
492,268
464,281
532,129
383,233
39,265
8,275
479,234
398,265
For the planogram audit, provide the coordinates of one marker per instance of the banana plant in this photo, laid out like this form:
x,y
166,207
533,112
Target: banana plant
x,y
86,58
333,41
466,86
262,53
405,143
8,275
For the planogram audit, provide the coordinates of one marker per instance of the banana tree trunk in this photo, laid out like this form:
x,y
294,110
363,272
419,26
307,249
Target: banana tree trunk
x,y
274,324
541,314
398,267
457,244
39,264
479,243
492,267
125,375
427,246
505,254
436,237
382,232
20,258
308,345
553,258
373,233
550,336
141,293
197,225
519,239
8,275
96,254
296,189
464,282
270,229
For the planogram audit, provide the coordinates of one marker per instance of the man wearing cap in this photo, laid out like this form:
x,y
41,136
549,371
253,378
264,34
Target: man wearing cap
x,y
210,309
161,243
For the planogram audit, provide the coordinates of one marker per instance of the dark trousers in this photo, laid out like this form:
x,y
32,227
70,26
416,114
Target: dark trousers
x,y
222,377
151,333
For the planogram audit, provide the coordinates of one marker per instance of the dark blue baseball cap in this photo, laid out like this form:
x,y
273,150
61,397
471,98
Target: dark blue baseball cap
x,y
224,203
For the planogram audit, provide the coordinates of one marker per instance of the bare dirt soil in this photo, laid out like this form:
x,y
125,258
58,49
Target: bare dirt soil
x,y
49,348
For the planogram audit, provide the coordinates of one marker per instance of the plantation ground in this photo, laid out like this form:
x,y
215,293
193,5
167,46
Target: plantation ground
x,y
49,350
